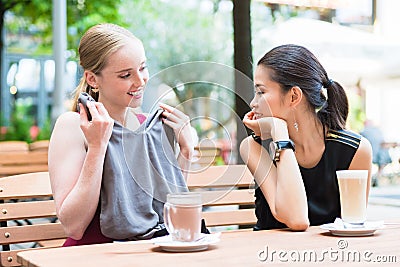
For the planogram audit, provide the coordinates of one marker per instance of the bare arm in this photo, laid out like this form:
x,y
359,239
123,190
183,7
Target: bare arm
x,y
282,185
75,172
362,160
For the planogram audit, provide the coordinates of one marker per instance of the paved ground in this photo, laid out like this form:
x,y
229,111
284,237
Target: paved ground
x,y
384,202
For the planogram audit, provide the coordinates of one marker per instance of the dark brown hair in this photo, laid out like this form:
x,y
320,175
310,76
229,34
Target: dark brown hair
x,y
294,65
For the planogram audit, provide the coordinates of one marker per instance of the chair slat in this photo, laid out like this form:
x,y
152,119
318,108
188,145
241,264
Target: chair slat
x,y
31,233
231,197
13,146
42,145
25,186
9,258
230,217
30,194
22,210
21,158
13,163
220,176
18,169
228,193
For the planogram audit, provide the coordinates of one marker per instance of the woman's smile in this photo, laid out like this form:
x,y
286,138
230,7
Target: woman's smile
x,y
137,93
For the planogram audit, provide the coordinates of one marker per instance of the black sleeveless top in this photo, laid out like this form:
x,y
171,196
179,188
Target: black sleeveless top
x,y
320,182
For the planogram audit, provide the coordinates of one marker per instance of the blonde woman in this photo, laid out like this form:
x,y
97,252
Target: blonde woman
x,y
115,75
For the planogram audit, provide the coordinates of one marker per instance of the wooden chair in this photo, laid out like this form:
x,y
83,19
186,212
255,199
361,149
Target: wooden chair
x,y
33,192
227,186
41,145
12,163
13,146
205,156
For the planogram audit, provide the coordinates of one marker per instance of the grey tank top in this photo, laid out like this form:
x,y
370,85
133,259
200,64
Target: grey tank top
x,y
140,169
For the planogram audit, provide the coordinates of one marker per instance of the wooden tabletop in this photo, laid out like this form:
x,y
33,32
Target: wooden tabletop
x,y
236,248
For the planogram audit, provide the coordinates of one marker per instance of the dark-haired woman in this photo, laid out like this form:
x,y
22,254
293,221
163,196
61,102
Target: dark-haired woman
x,y
299,140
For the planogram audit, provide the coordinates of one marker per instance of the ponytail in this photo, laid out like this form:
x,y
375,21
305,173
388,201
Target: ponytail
x,y
334,113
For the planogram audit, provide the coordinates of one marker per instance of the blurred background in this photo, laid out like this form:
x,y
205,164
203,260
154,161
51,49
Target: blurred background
x,y
357,41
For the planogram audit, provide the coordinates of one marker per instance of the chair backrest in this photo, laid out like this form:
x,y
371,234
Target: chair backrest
x,y
12,163
229,190
26,212
41,145
18,157
13,146
205,156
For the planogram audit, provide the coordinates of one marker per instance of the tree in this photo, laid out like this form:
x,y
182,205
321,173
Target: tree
x,y
176,32
34,18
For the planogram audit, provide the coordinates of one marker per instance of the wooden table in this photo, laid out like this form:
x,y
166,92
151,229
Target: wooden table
x,y
236,248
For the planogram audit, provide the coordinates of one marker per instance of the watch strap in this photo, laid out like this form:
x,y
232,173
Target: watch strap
x,y
256,138
282,145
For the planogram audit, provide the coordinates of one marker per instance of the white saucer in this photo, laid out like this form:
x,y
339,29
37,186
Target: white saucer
x,y
338,228
166,243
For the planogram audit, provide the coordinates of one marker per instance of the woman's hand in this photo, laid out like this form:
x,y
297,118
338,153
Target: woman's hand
x,y
180,123
267,127
98,131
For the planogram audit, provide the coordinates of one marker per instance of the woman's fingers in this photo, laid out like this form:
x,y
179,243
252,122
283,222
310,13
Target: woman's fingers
x,y
249,115
83,114
171,110
174,116
92,109
96,109
180,123
169,116
250,121
166,107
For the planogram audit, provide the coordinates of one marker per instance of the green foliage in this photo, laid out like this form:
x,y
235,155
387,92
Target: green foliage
x,y
45,130
357,115
22,124
34,18
175,32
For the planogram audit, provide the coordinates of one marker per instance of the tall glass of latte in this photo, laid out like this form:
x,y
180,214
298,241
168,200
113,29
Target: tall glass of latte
x,y
353,195
182,216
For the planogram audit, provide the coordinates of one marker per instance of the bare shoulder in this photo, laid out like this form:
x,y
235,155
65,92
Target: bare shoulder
x,y
365,147
68,118
67,128
363,156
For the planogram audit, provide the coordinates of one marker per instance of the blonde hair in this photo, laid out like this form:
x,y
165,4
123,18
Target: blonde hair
x,y
95,47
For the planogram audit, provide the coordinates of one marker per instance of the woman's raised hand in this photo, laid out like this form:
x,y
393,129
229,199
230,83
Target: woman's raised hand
x,y
180,123
267,127
97,131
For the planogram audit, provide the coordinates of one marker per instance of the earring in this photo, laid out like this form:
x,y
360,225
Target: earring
x,y
295,124
94,89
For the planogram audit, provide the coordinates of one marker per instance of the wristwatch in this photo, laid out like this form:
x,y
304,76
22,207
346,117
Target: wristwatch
x,y
256,137
276,147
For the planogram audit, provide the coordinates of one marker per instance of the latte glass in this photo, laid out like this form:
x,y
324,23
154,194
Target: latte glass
x,y
182,216
353,195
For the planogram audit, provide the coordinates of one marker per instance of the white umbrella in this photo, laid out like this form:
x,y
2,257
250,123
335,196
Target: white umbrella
x,y
348,53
